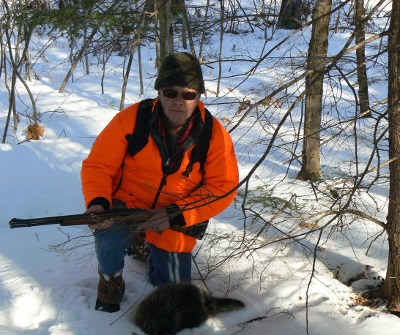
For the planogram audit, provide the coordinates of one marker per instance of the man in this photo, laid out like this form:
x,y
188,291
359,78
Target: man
x,y
161,177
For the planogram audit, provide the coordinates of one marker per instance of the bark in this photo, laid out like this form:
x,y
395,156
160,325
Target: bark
x,y
221,39
186,27
317,51
392,282
290,14
361,62
165,26
157,35
139,49
126,75
203,35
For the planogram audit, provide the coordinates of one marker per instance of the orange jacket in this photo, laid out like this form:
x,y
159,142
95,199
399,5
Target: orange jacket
x,y
142,175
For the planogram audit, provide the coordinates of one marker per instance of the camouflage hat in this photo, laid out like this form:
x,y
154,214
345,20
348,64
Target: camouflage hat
x,y
180,69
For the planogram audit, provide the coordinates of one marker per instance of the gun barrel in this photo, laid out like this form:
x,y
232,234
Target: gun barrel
x,y
121,215
22,223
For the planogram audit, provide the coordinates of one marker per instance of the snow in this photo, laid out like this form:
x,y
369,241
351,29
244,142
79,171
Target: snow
x,y
48,275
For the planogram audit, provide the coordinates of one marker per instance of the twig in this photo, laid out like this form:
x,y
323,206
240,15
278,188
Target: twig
x,y
134,303
309,282
360,174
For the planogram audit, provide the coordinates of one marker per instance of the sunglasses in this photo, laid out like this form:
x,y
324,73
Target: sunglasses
x,y
172,94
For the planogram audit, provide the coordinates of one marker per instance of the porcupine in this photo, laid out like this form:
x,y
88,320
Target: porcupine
x,y
173,307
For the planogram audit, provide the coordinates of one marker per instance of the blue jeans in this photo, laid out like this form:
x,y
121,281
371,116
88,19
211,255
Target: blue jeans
x,y
168,267
111,247
164,267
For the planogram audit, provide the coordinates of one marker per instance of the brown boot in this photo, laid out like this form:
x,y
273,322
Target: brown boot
x,y
110,291
139,248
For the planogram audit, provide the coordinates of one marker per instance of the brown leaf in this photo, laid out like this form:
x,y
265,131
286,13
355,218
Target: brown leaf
x,y
34,132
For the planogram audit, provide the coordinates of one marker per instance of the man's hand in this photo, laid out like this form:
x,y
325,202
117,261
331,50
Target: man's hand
x,y
97,209
158,222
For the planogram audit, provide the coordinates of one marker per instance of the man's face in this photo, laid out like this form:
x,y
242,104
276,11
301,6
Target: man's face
x,y
178,104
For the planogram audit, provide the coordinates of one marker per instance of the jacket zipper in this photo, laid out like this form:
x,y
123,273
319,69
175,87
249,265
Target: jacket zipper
x,y
166,161
160,187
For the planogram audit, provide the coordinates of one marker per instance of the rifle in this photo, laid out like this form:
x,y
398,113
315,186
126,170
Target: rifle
x,y
128,216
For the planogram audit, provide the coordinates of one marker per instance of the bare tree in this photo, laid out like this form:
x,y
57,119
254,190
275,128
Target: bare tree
x,y
317,51
221,38
361,62
17,58
166,35
77,59
135,45
392,283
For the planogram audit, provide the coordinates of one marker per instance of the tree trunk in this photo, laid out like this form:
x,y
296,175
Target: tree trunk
x,y
84,48
203,35
165,25
188,30
290,14
105,57
126,76
221,39
139,48
317,51
157,35
361,63
16,64
392,282
86,54
76,61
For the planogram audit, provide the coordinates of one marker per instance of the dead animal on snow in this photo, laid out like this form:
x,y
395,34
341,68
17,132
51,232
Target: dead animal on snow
x,y
173,307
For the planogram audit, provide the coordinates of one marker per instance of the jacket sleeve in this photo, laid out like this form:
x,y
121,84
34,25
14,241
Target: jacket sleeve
x,y
221,178
103,164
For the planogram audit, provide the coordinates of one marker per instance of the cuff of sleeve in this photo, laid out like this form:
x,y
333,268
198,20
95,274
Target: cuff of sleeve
x,y
100,201
175,216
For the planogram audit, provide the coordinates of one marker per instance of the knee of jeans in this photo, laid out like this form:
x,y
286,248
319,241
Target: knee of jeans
x,y
110,247
117,235
165,267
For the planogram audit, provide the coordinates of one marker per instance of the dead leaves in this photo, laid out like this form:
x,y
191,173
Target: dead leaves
x,y
362,300
34,132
